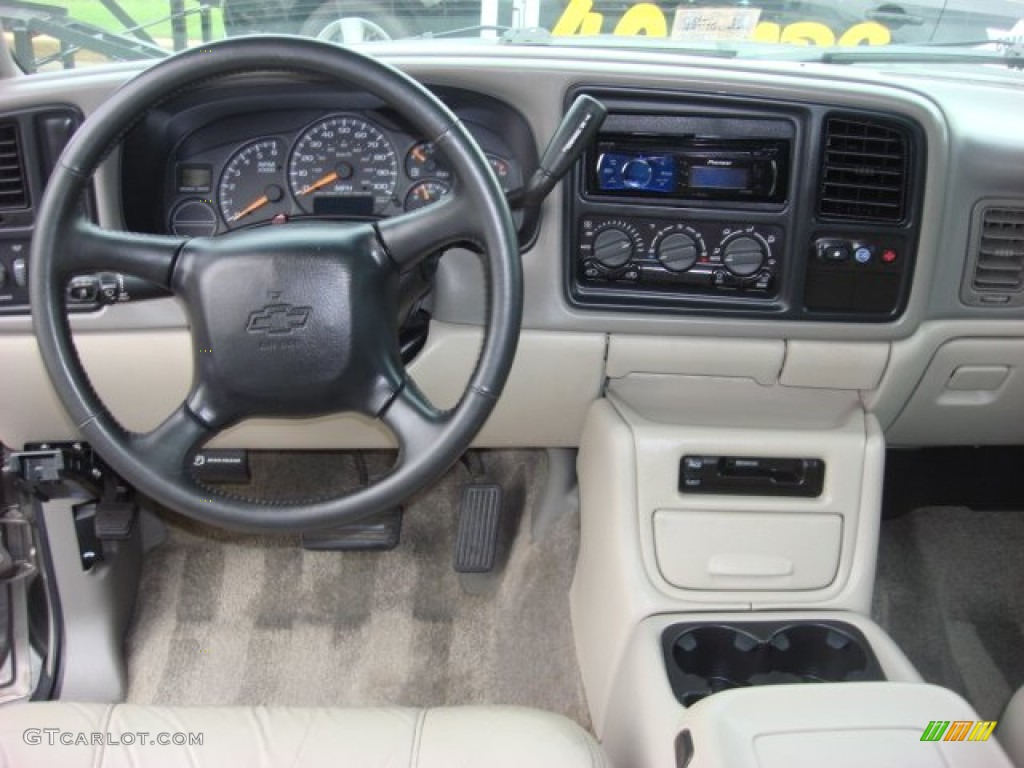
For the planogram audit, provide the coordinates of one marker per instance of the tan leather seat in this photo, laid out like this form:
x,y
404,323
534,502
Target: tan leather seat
x,y
1011,728
260,737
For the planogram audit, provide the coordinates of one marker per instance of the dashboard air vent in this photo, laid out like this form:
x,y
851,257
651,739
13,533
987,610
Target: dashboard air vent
x,y
864,170
13,190
999,249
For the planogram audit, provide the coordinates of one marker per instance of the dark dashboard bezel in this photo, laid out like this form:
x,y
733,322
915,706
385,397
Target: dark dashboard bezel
x,y
157,137
797,214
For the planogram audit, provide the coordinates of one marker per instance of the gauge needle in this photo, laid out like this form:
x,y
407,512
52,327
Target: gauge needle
x,y
330,178
417,153
255,205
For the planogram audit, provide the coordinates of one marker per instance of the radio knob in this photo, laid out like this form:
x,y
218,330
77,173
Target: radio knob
x,y
637,173
743,256
678,252
613,247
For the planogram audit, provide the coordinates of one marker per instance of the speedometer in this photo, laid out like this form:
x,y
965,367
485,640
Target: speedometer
x,y
343,165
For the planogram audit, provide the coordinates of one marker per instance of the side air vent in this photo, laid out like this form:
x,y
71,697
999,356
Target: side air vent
x,y
864,170
13,190
997,256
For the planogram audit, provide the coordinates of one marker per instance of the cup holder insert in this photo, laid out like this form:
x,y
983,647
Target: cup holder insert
x,y
702,659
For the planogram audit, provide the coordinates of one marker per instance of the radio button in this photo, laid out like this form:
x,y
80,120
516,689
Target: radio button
x,y
678,251
613,247
743,256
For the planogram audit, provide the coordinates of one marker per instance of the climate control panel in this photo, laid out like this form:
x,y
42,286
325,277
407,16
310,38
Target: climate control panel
x,y
679,255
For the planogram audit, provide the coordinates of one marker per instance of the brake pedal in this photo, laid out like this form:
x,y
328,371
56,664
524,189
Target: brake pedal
x,y
476,539
376,533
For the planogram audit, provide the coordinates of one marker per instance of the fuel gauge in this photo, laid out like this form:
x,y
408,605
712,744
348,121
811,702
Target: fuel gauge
x,y
424,193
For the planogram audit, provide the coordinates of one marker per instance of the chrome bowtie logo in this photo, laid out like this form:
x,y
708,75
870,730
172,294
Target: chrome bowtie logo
x,y
278,319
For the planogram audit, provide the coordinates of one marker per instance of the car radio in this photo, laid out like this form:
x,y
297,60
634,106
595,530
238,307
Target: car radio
x,y
686,168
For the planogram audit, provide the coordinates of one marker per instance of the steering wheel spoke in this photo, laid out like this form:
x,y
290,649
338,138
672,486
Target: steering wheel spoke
x,y
411,237
169,446
415,421
95,249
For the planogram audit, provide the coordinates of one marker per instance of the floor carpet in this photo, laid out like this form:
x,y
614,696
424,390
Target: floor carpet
x,y
950,592
224,618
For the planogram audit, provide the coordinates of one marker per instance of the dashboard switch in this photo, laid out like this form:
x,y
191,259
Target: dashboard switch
x,y
829,250
20,273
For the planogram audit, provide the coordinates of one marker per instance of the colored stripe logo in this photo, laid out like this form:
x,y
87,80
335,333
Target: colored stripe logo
x,y
958,730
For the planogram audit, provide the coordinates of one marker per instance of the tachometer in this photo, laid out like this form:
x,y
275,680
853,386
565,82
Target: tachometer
x,y
251,185
343,165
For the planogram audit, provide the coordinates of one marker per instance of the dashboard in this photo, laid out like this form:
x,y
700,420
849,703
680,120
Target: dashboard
x,y
707,234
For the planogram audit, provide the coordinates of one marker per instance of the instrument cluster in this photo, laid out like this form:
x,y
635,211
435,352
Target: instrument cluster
x,y
340,164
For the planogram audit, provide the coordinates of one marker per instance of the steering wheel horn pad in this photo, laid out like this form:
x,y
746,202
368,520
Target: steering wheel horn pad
x,y
290,320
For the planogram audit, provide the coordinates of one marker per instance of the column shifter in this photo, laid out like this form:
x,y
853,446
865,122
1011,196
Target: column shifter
x,y
578,128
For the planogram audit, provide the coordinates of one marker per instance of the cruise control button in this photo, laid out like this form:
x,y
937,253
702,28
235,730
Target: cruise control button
x,y
83,289
109,287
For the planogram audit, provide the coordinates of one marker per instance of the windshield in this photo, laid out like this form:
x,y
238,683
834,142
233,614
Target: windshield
x,y
77,33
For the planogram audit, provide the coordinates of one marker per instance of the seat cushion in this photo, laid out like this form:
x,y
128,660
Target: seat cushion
x,y
1011,728
64,735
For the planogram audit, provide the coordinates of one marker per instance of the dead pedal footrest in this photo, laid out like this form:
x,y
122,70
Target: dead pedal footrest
x,y
476,540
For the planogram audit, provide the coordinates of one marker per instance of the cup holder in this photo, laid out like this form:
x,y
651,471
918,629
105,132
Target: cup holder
x,y
703,659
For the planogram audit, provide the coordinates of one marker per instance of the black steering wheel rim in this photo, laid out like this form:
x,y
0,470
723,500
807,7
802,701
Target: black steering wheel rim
x,y
429,441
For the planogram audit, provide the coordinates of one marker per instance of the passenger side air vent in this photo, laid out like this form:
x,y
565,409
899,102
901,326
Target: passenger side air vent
x,y
996,257
13,188
864,170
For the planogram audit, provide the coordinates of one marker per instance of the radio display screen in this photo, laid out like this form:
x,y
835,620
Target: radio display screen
x,y
711,177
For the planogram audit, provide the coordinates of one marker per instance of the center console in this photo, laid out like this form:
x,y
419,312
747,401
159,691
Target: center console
x,y
732,622
715,205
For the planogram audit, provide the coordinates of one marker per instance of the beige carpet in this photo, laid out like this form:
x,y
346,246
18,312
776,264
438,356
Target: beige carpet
x,y
224,618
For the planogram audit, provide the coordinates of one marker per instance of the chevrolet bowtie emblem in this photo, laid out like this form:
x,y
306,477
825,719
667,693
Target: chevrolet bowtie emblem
x,y
278,319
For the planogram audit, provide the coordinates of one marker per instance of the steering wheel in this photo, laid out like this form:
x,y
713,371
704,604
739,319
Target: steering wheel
x,y
294,320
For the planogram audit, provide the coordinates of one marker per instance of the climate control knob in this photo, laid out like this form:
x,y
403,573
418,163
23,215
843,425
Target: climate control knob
x,y
678,251
613,247
743,256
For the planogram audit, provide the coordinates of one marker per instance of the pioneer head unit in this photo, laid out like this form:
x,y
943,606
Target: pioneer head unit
x,y
684,169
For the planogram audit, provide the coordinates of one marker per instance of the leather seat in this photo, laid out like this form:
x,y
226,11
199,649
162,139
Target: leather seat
x,y
1011,728
260,737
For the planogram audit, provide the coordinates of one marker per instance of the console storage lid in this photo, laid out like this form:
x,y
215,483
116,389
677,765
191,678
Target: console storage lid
x,y
841,725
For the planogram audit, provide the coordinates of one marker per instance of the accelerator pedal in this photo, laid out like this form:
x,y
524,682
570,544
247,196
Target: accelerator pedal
x,y
476,540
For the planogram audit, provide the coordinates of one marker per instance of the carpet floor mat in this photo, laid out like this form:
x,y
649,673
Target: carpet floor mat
x,y
226,618
950,592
